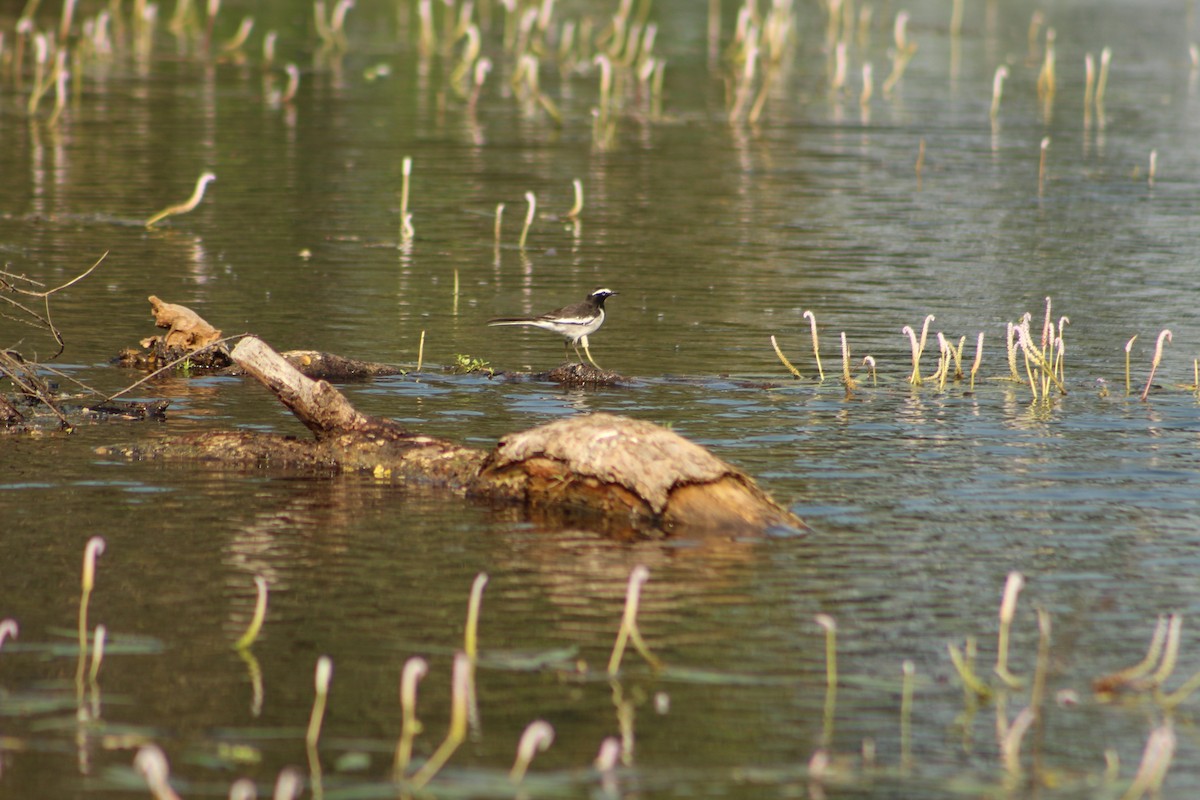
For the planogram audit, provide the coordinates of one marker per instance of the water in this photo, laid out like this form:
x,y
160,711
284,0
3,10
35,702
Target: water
x,y
717,237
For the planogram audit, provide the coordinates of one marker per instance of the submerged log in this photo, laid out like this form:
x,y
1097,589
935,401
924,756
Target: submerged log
x,y
600,465
190,337
626,468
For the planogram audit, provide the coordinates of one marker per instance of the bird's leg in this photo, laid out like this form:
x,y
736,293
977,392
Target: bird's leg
x,y
589,353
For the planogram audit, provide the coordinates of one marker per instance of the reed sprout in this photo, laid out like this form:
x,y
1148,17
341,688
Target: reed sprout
x,y
604,122
869,363
260,613
414,670
461,689
41,48
964,664
426,37
812,326
790,366
99,637
629,630
943,361
907,686
1047,80
1063,322
1008,607
978,359
1010,743
1011,348
1158,353
1168,702
9,629
847,379
91,551
421,351
656,89
186,206
577,208
1131,677
1128,349
471,634
243,789
831,675
321,679
902,53
268,48
483,67
1043,151
151,763
239,37
956,353
530,213
288,784
918,347
406,227
956,18
498,223
1102,81
626,714
537,738
1156,760
868,85
1042,366
64,22
59,79
1037,694
466,63
605,764
1170,652
838,79
289,89
1152,169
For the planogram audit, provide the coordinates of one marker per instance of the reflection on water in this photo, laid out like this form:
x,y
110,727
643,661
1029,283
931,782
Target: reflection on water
x,y
717,236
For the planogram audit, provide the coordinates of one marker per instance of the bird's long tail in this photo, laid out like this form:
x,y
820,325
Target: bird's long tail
x,y
511,321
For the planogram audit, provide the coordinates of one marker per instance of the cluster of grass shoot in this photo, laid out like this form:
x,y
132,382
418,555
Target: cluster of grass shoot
x,y
526,41
45,55
848,31
1144,679
756,54
1037,361
151,762
531,41
1019,764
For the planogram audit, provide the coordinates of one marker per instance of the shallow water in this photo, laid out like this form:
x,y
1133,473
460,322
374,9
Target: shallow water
x,y
921,500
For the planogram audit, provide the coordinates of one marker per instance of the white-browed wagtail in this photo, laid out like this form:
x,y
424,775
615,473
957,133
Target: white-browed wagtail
x,y
573,322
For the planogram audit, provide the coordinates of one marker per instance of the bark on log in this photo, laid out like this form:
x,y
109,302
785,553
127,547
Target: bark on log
x,y
620,470
626,468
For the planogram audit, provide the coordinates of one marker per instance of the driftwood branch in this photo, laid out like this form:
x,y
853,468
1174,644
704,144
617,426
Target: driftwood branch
x,y
609,468
31,317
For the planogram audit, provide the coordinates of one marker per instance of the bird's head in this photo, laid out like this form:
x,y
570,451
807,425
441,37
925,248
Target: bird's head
x,y
598,296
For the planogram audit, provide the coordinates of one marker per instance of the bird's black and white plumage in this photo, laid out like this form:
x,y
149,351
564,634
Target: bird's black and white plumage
x,y
574,322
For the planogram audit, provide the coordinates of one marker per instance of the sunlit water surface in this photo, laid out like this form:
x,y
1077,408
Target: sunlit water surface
x,y
921,501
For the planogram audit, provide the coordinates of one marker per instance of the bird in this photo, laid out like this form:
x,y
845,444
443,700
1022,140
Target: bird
x,y
574,322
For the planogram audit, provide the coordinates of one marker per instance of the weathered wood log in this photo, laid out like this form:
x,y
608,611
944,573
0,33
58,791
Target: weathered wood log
x,y
185,328
331,367
626,468
609,467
